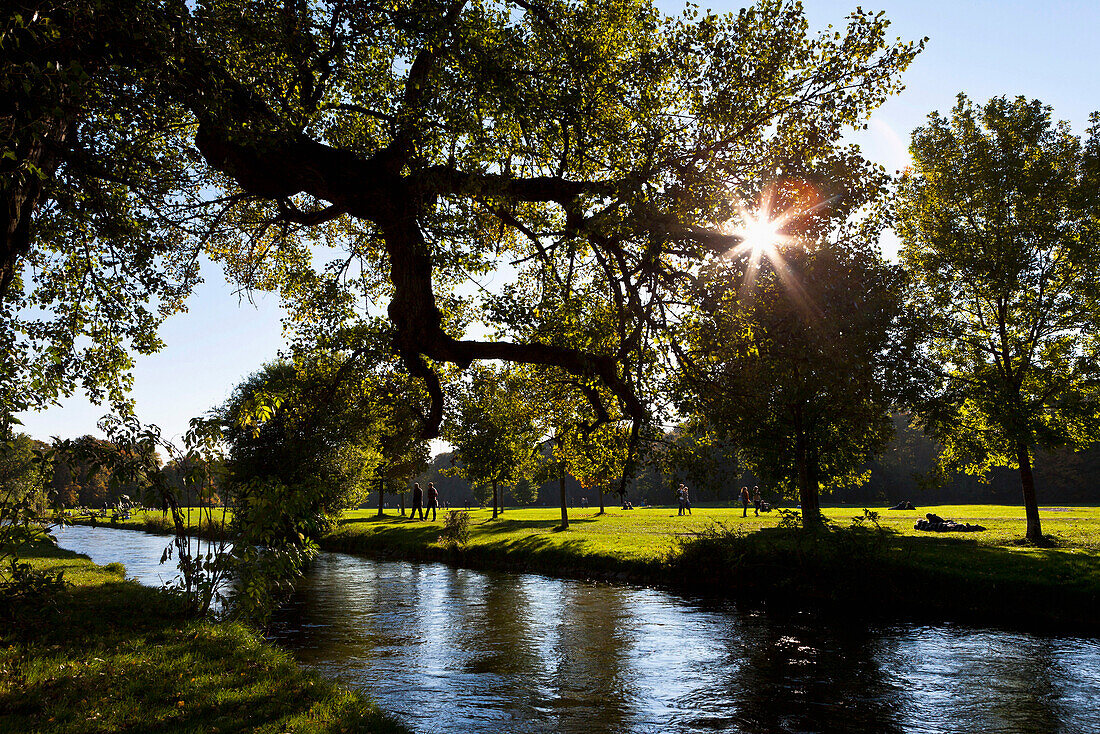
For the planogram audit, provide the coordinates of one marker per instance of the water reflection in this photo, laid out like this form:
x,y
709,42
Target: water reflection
x,y
470,651
453,650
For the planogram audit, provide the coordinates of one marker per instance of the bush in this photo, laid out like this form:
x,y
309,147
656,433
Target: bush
x,y
832,565
456,529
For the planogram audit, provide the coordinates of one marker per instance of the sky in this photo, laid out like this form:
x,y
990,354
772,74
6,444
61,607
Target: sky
x,y
985,48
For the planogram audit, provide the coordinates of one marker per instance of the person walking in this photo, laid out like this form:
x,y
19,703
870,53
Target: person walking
x,y
418,501
756,500
680,498
433,500
745,501
687,499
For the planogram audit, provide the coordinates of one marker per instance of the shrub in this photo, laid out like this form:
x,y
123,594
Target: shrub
x,y
456,529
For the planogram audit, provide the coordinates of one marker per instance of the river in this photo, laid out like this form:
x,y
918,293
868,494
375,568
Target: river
x,y
455,650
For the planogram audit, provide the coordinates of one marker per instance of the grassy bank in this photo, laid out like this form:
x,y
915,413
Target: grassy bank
x,y
110,655
160,523
986,576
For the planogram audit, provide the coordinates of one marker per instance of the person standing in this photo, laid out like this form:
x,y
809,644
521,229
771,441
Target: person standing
x,y
745,501
680,498
756,500
418,501
433,499
687,498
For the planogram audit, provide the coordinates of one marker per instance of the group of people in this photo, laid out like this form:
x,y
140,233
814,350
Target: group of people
x,y
756,499
684,499
682,496
418,501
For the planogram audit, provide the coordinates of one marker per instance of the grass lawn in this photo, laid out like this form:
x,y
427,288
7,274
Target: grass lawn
x,y
110,655
649,534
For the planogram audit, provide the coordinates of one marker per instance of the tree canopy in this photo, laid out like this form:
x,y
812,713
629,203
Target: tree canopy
x,y
597,143
795,362
998,221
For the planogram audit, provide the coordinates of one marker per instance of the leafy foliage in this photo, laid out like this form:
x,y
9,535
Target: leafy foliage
x,y
456,529
492,429
999,223
796,362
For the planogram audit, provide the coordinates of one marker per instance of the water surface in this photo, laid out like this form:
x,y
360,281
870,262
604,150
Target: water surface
x,y
454,650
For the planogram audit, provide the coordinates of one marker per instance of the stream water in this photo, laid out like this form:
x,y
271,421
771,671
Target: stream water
x,y
454,650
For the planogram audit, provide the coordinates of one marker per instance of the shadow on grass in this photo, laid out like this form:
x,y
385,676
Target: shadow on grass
x,y
502,524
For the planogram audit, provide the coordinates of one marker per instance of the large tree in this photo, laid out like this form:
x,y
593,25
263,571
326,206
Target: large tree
x,y
431,140
998,220
99,193
796,362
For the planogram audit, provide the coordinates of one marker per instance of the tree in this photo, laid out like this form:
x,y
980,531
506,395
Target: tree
x,y
98,235
694,452
998,221
795,363
598,458
23,472
431,140
493,431
324,439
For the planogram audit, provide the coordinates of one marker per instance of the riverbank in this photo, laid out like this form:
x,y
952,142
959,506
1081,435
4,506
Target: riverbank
x,y
880,569
985,577
107,654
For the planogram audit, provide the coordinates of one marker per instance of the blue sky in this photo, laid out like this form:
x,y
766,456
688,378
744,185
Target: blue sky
x,y
1043,50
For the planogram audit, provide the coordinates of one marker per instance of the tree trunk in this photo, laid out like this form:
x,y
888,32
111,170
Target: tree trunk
x,y
561,487
600,488
1031,504
807,480
402,495
494,500
381,496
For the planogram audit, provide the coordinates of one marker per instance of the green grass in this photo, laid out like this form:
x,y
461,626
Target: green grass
x,y
648,534
110,655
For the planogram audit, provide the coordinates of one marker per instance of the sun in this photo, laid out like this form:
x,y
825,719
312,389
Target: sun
x,y
759,233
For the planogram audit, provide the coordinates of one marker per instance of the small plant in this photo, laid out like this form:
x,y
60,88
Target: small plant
x,y
789,519
869,520
456,530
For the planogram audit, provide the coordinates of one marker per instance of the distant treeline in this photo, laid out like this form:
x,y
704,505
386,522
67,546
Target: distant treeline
x,y
906,470
66,481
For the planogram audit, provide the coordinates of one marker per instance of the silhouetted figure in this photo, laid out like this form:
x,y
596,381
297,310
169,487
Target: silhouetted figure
x,y
687,499
745,501
418,502
433,499
756,501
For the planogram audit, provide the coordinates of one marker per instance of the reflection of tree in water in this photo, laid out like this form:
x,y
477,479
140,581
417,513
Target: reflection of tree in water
x,y
336,601
799,676
589,691
504,628
1021,694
